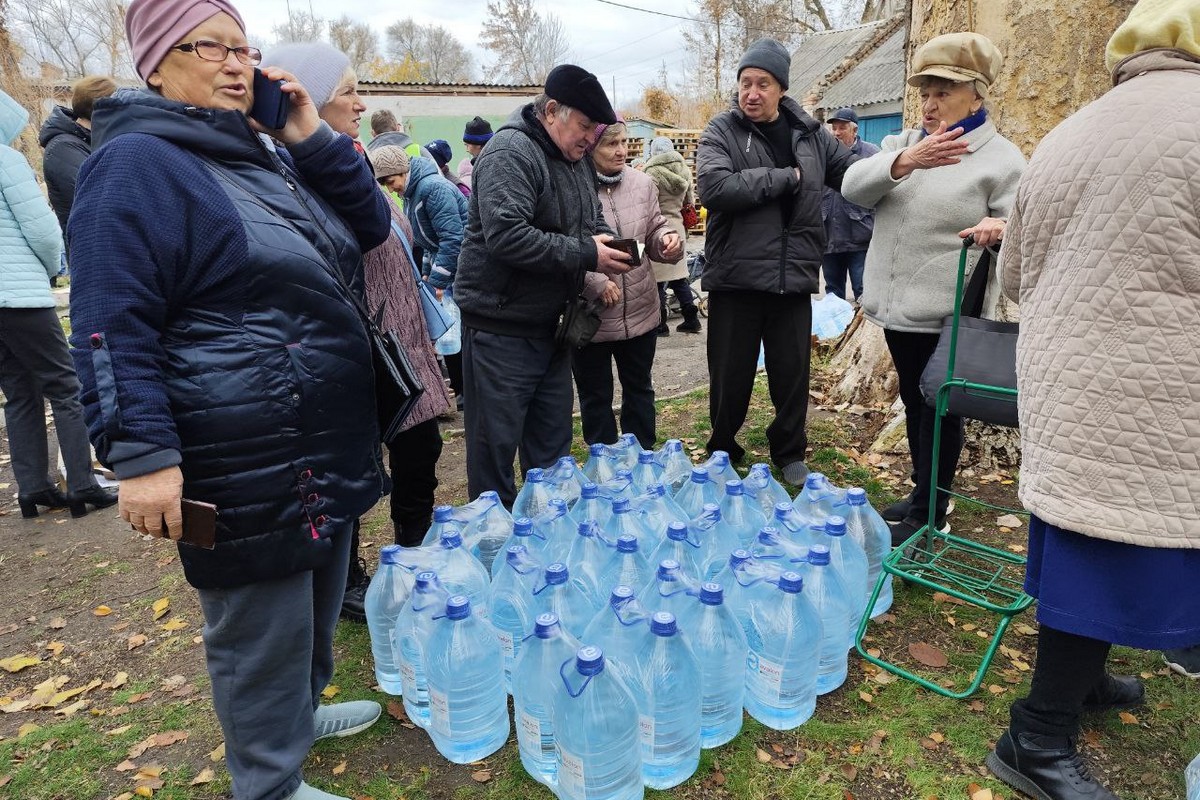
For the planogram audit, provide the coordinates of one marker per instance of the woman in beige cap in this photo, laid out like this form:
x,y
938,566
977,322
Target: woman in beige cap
x,y
930,188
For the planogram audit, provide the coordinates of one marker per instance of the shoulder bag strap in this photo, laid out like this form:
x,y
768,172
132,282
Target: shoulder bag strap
x,y
972,299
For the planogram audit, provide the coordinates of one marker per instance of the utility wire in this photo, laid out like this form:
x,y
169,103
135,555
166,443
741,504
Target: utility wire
x,y
702,21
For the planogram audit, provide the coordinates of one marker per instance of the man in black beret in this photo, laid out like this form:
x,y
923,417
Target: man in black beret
x,y
534,229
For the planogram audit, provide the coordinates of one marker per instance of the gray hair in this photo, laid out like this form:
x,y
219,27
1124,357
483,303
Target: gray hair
x,y
542,101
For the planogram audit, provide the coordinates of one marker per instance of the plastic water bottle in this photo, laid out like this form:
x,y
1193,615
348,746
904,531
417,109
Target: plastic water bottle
x,y
720,470
461,573
850,563
534,496
784,637
525,535
658,508
384,598
601,464
565,480
741,513
510,600
782,551
717,540
442,517
1192,776
798,527
830,316
671,590
682,547
670,722
744,580
596,731
556,594
592,505
450,342
675,464
646,472
717,639
619,485
819,499
545,651
620,628
625,521
491,528
587,559
827,593
698,491
414,626
626,451
865,526
468,709
766,491
557,527
627,565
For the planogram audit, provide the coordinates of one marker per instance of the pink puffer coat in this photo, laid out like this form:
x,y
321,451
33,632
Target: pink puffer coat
x,y
631,209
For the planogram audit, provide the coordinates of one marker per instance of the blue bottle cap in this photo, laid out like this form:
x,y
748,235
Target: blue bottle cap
x,y
856,496
663,624
720,458
667,567
443,513
791,582
628,438
556,574
677,531
589,660
522,526
818,555
835,526
712,594
489,495
713,510
544,626
567,461
739,557
425,578
623,474
451,538
458,607
673,446
558,504
735,488
588,491
646,457
596,449
388,554
815,480
535,475
515,553
768,535
782,510
620,594
656,490
621,505
699,475
627,544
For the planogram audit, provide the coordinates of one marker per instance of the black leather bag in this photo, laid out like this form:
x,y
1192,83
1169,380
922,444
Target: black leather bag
x,y
986,353
579,322
397,385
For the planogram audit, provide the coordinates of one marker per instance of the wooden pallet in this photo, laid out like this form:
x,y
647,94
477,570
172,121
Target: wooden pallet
x,y
686,142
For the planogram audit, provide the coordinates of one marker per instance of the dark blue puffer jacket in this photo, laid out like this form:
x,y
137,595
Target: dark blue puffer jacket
x,y
208,331
437,211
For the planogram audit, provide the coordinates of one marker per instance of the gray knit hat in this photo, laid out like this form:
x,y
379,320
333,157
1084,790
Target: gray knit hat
x,y
318,67
769,55
660,145
389,160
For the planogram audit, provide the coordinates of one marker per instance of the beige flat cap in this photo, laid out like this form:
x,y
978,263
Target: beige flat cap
x,y
957,57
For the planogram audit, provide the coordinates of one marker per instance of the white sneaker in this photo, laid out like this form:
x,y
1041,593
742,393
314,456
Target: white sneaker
x,y
345,719
306,792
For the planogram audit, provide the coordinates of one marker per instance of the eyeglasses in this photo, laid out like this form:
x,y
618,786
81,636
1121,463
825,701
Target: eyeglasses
x,y
215,51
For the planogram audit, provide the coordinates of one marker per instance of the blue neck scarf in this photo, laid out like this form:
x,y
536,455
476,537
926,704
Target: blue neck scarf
x,y
969,124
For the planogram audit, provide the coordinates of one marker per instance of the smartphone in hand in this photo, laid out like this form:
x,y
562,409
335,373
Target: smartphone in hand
x,y
199,524
629,247
271,105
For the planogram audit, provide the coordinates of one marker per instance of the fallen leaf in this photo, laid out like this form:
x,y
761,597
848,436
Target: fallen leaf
x,y
102,564
927,654
58,623
74,708
101,611
9,628
164,739
117,681
850,772
144,791
866,697
1127,718
928,744
161,606
174,624
942,597
206,775
125,766
937,737
18,663
218,753
977,792
117,731
994,689
26,729
977,706
481,775
139,697
1008,521
330,692
340,768
762,755
56,648
136,641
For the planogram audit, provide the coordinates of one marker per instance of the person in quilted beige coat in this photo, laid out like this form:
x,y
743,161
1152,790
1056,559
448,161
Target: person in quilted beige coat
x,y
673,178
630,318
1102,253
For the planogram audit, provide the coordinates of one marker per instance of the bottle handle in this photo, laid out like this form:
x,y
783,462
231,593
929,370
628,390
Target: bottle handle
x,y
562,673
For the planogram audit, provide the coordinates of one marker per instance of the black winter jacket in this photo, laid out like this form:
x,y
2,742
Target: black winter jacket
x,y
747,247
529,232
67,144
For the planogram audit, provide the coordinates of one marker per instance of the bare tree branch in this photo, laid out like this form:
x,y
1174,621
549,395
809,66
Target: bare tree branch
x,y
526,44
300,26
356,40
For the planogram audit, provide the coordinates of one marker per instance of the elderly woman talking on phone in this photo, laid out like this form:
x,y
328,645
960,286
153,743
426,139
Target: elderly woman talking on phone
x,y
223,361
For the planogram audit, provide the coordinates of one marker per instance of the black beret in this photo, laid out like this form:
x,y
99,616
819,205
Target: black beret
x,y
576,87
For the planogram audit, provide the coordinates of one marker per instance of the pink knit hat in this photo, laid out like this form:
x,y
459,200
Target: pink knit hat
x,y
599,132
155,26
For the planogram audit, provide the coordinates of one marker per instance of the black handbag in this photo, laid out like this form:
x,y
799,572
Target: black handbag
x,y
579,321
986,353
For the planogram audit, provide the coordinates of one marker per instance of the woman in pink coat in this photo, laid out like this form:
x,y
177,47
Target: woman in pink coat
x,y
631,313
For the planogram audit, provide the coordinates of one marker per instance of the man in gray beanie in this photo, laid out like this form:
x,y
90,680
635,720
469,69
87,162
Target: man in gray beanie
x,y
761,168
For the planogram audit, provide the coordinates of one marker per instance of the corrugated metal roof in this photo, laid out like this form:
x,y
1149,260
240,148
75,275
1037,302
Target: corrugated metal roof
x,y
818,54
464,85
879,78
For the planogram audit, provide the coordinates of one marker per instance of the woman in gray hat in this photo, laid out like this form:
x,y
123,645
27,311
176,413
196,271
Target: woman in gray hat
x,y
931,187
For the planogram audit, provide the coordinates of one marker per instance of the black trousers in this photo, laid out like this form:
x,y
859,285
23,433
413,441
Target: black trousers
x,y
454,369
681,288
910,353
1068,669
412,459
593,369
737,323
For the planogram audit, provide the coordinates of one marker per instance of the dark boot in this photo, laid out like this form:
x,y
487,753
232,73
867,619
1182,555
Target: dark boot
x,y
1045,768
354,600
663,329
96,496
50,498
691,320
1115,692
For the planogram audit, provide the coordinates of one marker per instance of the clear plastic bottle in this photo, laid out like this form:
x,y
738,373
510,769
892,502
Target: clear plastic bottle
x,y
510,601
671,590
460,572
543,653
741,513
384,599
558,528
442,516
619,485
717,540
646,472
534,495
620,629
468,709
626,451
850,562
596,731
627,565
587,559
657,508
744,579
450,342
720,470
827,593
717,639
819,498
601,463
525,535
675,463
782,551
565,480
797,526
698,491
487,534
414,626
682,547
866,527
556,594
461,517
592,504
670,710
784,638
626,521
766,491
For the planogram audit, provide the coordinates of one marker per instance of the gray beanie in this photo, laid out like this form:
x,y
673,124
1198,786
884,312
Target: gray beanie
x,y
318,67
769,55
661,144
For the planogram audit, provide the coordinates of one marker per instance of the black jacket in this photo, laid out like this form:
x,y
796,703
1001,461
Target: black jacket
x,y
529,232
67,144
747,246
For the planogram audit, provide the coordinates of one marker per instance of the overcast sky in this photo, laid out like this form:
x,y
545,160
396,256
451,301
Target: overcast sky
x,y
629,46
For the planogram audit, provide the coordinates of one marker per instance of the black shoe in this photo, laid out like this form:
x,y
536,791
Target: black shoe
x,y
354,599
1115,692
1184,660
691,320
663,330
96,496
50,498
1045,768
898,510
903,530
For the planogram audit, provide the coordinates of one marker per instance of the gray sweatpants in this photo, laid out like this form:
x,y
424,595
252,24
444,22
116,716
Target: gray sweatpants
x,y
35,366
269,647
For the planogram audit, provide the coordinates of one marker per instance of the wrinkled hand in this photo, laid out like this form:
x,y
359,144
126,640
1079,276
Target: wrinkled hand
x,y
612,294
609,260
938,149
303,119
988,233
672,246
146,501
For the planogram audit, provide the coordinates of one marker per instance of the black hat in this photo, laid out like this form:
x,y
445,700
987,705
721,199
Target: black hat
x,y
478,131
576,87
844,114
769,55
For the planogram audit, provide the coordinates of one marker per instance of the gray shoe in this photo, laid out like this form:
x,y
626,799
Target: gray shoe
x,y
345,719
795,473
306,792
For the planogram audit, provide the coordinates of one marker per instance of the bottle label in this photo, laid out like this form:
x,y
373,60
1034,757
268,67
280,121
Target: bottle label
x,y
770,675
439,712
506,643
646,730
408,675
571,779
530,730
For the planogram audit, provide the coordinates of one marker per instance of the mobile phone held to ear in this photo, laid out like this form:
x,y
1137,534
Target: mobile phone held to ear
x,y
271,105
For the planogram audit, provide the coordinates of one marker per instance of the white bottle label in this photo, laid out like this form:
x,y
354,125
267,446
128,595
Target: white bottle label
x,y
646,730
770,675
530,730
570,774
439,712
506,643
408,675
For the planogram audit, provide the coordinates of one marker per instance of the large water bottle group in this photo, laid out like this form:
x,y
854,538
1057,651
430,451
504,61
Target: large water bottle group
x,y
632,608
